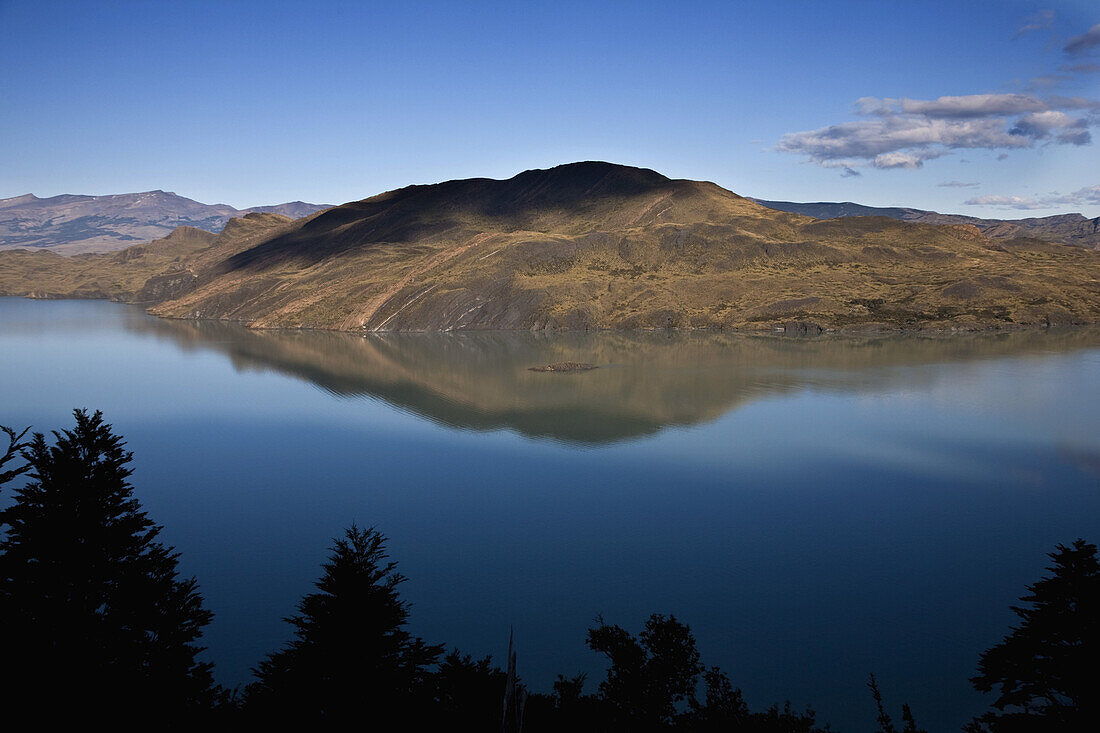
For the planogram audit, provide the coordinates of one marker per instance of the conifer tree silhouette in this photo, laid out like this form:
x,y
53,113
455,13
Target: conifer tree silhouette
x,y
467,693
1046,670
351,656
15,447
93,615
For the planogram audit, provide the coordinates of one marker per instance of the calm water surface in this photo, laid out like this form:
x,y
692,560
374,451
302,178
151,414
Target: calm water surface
x,y
815,509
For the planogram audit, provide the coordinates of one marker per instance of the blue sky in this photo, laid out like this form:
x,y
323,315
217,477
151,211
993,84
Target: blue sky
x,y
257,103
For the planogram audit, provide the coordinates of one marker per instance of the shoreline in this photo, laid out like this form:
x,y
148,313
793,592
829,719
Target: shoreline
x,y
802,328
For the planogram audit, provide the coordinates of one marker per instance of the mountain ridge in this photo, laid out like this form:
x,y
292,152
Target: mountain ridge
x,y
585,246
78,223
1072,228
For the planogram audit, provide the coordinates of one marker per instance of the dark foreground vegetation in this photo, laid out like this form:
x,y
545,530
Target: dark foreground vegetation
x,y
97,622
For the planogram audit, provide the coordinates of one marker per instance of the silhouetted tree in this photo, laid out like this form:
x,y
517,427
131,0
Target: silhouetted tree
x,y
93,615
467,693
567,708
649,675
885,722
652,684
1046,670
15,447
782,720
351,657
723,708
576,710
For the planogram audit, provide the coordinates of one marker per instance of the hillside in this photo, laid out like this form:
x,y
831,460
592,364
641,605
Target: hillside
x,y
71,224
1071,229
594,246
144,273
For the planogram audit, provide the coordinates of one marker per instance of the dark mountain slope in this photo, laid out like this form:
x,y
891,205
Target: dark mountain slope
x,y
571,199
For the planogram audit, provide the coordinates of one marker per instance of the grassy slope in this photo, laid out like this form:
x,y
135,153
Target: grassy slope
x,y
599,246
122,275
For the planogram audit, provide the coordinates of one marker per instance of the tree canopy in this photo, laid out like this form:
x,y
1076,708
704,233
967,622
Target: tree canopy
x,y
652,684
93,612
14,449
351,650
1045,670
649,675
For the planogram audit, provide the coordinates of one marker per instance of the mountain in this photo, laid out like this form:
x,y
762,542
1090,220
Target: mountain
x,y
1072,229
72,224
583,246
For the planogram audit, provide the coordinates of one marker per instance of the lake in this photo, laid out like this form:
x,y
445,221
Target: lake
x,y
815,509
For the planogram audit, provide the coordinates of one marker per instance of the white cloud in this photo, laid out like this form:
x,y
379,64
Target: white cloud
x,y
971,105
957,184
908,161
1006,202
1041,125
903,133
1090,195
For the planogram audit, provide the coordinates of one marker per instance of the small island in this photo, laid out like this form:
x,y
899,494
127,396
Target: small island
x,y
564,366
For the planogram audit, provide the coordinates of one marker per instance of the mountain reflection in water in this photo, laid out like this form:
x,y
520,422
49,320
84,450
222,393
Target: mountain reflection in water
x,y
646,381
815,508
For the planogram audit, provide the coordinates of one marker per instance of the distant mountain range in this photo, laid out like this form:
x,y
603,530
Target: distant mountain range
x,y
72,224
583,246
1073,229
